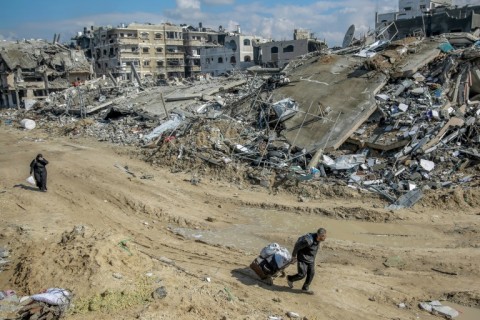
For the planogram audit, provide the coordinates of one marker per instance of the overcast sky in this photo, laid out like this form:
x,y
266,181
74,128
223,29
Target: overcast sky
x,y
276,19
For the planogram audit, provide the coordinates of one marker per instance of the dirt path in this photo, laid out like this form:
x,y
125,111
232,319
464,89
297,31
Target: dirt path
x,y
136,233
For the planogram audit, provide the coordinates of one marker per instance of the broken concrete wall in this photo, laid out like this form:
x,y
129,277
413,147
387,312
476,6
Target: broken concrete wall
x,y
453,20
413,123
335,94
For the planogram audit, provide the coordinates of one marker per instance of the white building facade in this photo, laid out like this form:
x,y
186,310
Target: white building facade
x,y
278,54
236,54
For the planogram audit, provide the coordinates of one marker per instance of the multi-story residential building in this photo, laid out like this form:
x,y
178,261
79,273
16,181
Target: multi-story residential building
x,y
194,39
155,50
237,53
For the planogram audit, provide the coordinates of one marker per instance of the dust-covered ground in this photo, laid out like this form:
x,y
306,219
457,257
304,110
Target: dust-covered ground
x,y
113,229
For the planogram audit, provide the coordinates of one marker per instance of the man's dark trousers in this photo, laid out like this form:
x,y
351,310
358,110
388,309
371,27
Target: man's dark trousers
x,y
304,269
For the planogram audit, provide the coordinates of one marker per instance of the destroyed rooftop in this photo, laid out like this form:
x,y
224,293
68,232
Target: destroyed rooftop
x,y
32,54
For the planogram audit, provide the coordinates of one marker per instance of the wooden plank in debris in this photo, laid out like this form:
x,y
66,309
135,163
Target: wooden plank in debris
x,y
231,85
453,122
377,146
100,107
183,97
210,159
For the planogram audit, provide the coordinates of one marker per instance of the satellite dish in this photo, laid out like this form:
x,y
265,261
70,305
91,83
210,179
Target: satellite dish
x,y
347,40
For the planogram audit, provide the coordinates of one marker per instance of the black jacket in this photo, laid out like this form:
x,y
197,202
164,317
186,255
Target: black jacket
x,y
38,165
306,248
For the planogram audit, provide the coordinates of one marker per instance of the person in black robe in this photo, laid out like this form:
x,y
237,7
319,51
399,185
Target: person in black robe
x,y
39,170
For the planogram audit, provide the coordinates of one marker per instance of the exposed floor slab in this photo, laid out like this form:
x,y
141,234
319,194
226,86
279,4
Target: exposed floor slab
x,y
336,95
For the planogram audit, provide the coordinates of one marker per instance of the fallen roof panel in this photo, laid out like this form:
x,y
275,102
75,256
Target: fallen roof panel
x,y
336,95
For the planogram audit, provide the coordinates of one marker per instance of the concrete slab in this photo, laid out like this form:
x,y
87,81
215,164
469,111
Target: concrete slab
x,y
341,94
425,53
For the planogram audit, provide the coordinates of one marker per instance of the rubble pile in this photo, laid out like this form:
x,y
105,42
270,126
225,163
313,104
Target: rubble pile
x,y
426,127
424,133
33,69
53,59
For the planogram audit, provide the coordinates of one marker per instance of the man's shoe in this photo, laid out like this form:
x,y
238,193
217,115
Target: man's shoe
x,y
290,283
310,292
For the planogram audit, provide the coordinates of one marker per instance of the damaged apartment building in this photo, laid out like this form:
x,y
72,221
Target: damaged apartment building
x,y
277,54
159,51
428,18
241,52
32,69
165,51
237,53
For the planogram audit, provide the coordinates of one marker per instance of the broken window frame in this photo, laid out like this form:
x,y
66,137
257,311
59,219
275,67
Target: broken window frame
x,y
289,48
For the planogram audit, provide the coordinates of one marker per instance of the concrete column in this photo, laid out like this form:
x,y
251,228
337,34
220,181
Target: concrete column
x,y
10,100
45,80
17,96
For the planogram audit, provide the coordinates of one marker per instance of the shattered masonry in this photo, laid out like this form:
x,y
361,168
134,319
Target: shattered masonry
x,y
397,122
32,69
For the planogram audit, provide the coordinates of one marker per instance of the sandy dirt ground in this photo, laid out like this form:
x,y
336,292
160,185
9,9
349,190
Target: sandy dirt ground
x,y
113,236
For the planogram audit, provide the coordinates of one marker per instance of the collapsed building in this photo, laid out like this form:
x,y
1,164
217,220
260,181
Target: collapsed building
x,y
32,69
391,117
402,120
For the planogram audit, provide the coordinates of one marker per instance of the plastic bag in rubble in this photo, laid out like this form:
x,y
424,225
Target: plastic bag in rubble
x,y
171,125
53,296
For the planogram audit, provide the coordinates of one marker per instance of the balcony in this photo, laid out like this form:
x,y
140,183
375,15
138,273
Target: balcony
x,y
194,43
126,51
129,55
175,69
174,55
160,70
129,41
174,42
194,68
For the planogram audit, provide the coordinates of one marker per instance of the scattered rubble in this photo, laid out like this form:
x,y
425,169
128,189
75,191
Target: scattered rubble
x,y
32,69
409,120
